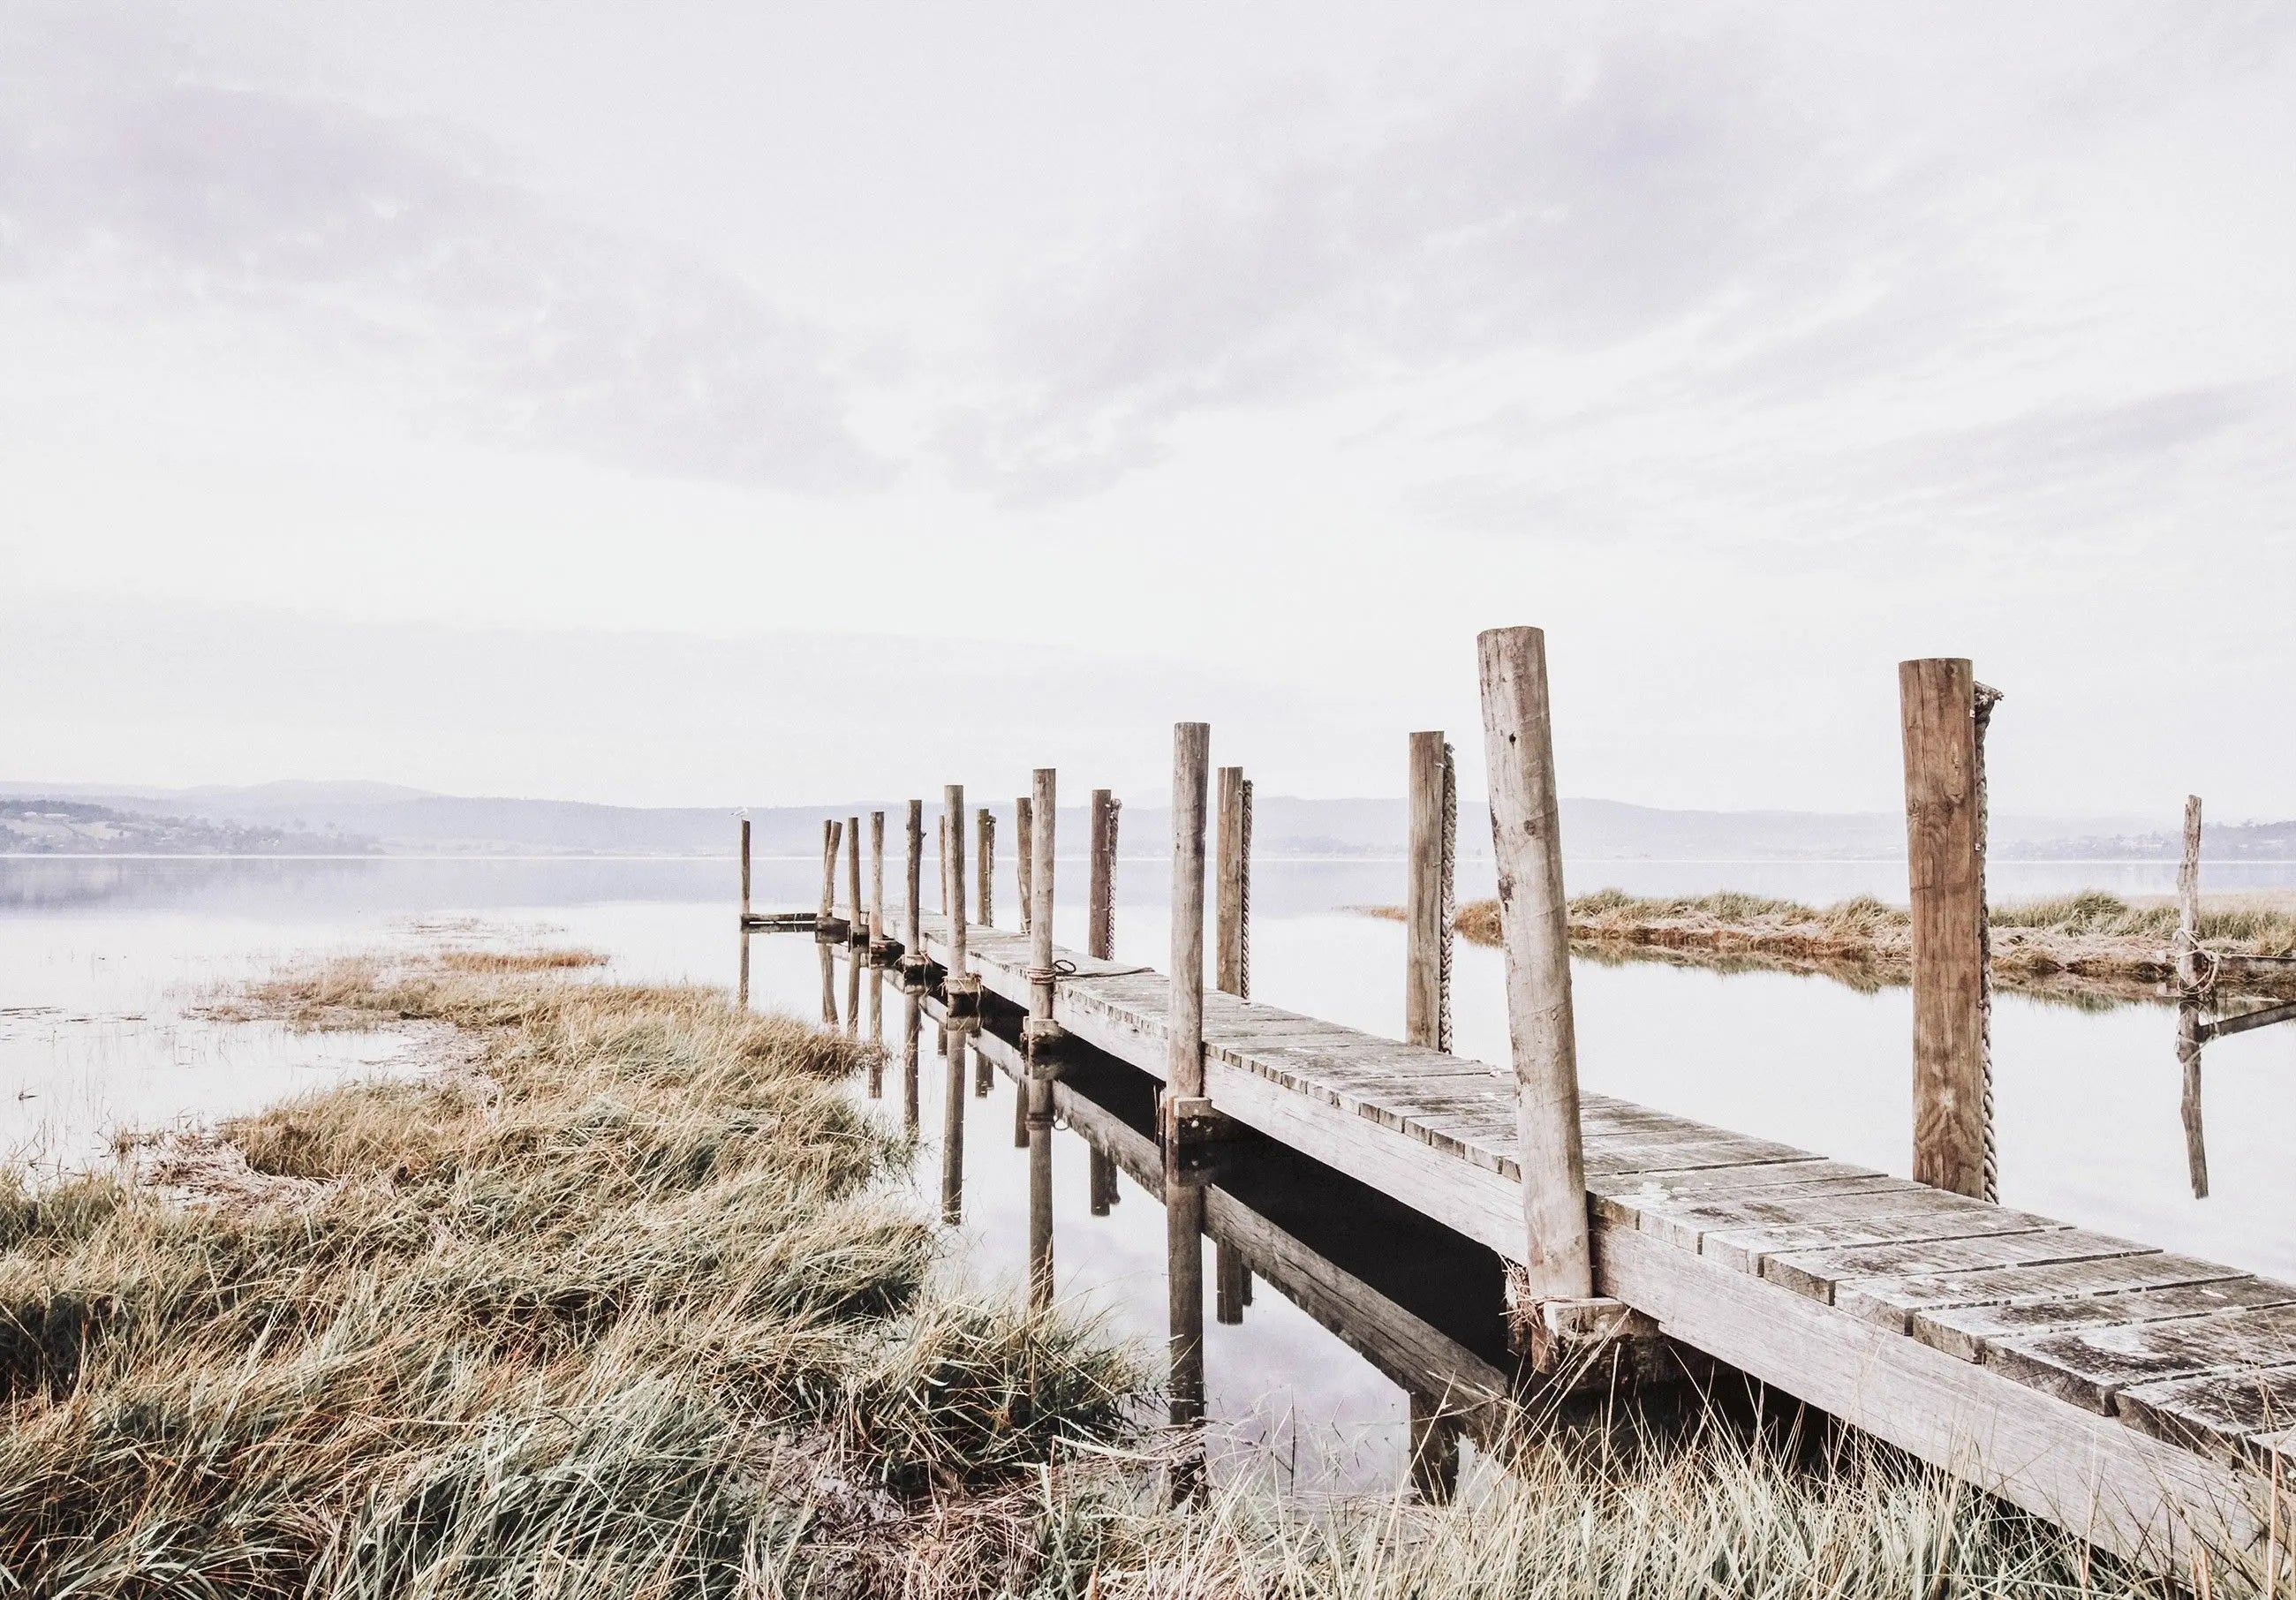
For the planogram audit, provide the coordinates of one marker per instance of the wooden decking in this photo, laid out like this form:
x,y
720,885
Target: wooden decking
x,y
2127,1393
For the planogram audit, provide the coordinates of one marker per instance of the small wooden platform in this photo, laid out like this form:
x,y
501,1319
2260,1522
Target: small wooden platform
x,y
2125,1393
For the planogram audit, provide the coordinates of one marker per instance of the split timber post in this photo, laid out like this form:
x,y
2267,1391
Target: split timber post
x,y
1428,893
985,823
960,986
1100,915
1558,1291
1940,702
2190,988
1186,1113
1233,973
1186,1110
1024,828
1041,1036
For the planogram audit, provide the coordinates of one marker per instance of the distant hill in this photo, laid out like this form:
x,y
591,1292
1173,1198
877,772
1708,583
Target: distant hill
x,y
359,817
41,826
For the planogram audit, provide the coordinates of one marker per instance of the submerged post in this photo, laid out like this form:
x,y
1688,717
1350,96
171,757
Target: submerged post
x,y
986,821
1233,973
1937,698
1526,838
1185,1108
1024,829
1184,1279
1100,914
1429,887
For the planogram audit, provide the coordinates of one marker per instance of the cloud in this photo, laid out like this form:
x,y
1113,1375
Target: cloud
x,y
137,179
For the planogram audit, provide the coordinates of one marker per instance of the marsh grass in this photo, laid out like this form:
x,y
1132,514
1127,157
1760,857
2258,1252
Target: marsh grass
x,y
624,1303
621,1308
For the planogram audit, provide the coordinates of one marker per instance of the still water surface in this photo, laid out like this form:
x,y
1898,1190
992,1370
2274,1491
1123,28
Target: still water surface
x,y
104,963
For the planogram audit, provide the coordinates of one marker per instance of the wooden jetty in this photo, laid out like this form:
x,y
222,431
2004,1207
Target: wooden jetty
x,y
2142,1399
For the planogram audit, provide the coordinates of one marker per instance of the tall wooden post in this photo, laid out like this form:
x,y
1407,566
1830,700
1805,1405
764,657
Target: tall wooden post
x,y
1526,838
913,930
829,839
986,824
741,984
952,830
876,878
1044,812
1946,875
745,870
1233,970
1024,829
1184,1074
1100,914
1044,1034
2188,900
940,862
1427,895
857,929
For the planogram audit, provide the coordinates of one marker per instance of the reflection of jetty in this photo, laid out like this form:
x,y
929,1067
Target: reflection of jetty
x,y
2139,1398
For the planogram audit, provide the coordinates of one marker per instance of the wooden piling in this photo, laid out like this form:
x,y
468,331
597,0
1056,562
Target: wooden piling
x,y
1100,915
857,925
2188,900
829,839
1024,829
1938,698
1101,1187
1526,838
876,878
1227,1283
1427,895
952,830
1184,1068
1232,969
1044,809
985,823
913,931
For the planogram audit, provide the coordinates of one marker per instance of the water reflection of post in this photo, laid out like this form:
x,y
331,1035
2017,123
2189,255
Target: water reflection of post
x,y
912,965
1229,1276
742,990
1184,1246
828,983
912,993
1434,1448
952,1136
2188,1057
1102,1186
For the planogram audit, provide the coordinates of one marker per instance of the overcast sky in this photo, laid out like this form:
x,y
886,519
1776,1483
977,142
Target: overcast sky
x,y
697,402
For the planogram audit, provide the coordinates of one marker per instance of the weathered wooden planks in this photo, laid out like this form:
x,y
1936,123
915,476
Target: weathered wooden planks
x,y
1894,1305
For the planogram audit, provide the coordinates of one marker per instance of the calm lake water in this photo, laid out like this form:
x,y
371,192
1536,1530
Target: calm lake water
x,y
103,960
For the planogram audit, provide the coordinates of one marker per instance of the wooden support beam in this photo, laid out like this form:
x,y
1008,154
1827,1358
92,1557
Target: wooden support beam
x,y
1946,876
1184,1078
985,826
1232,973
1526,838
1100,916
2263,1016
1426,896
